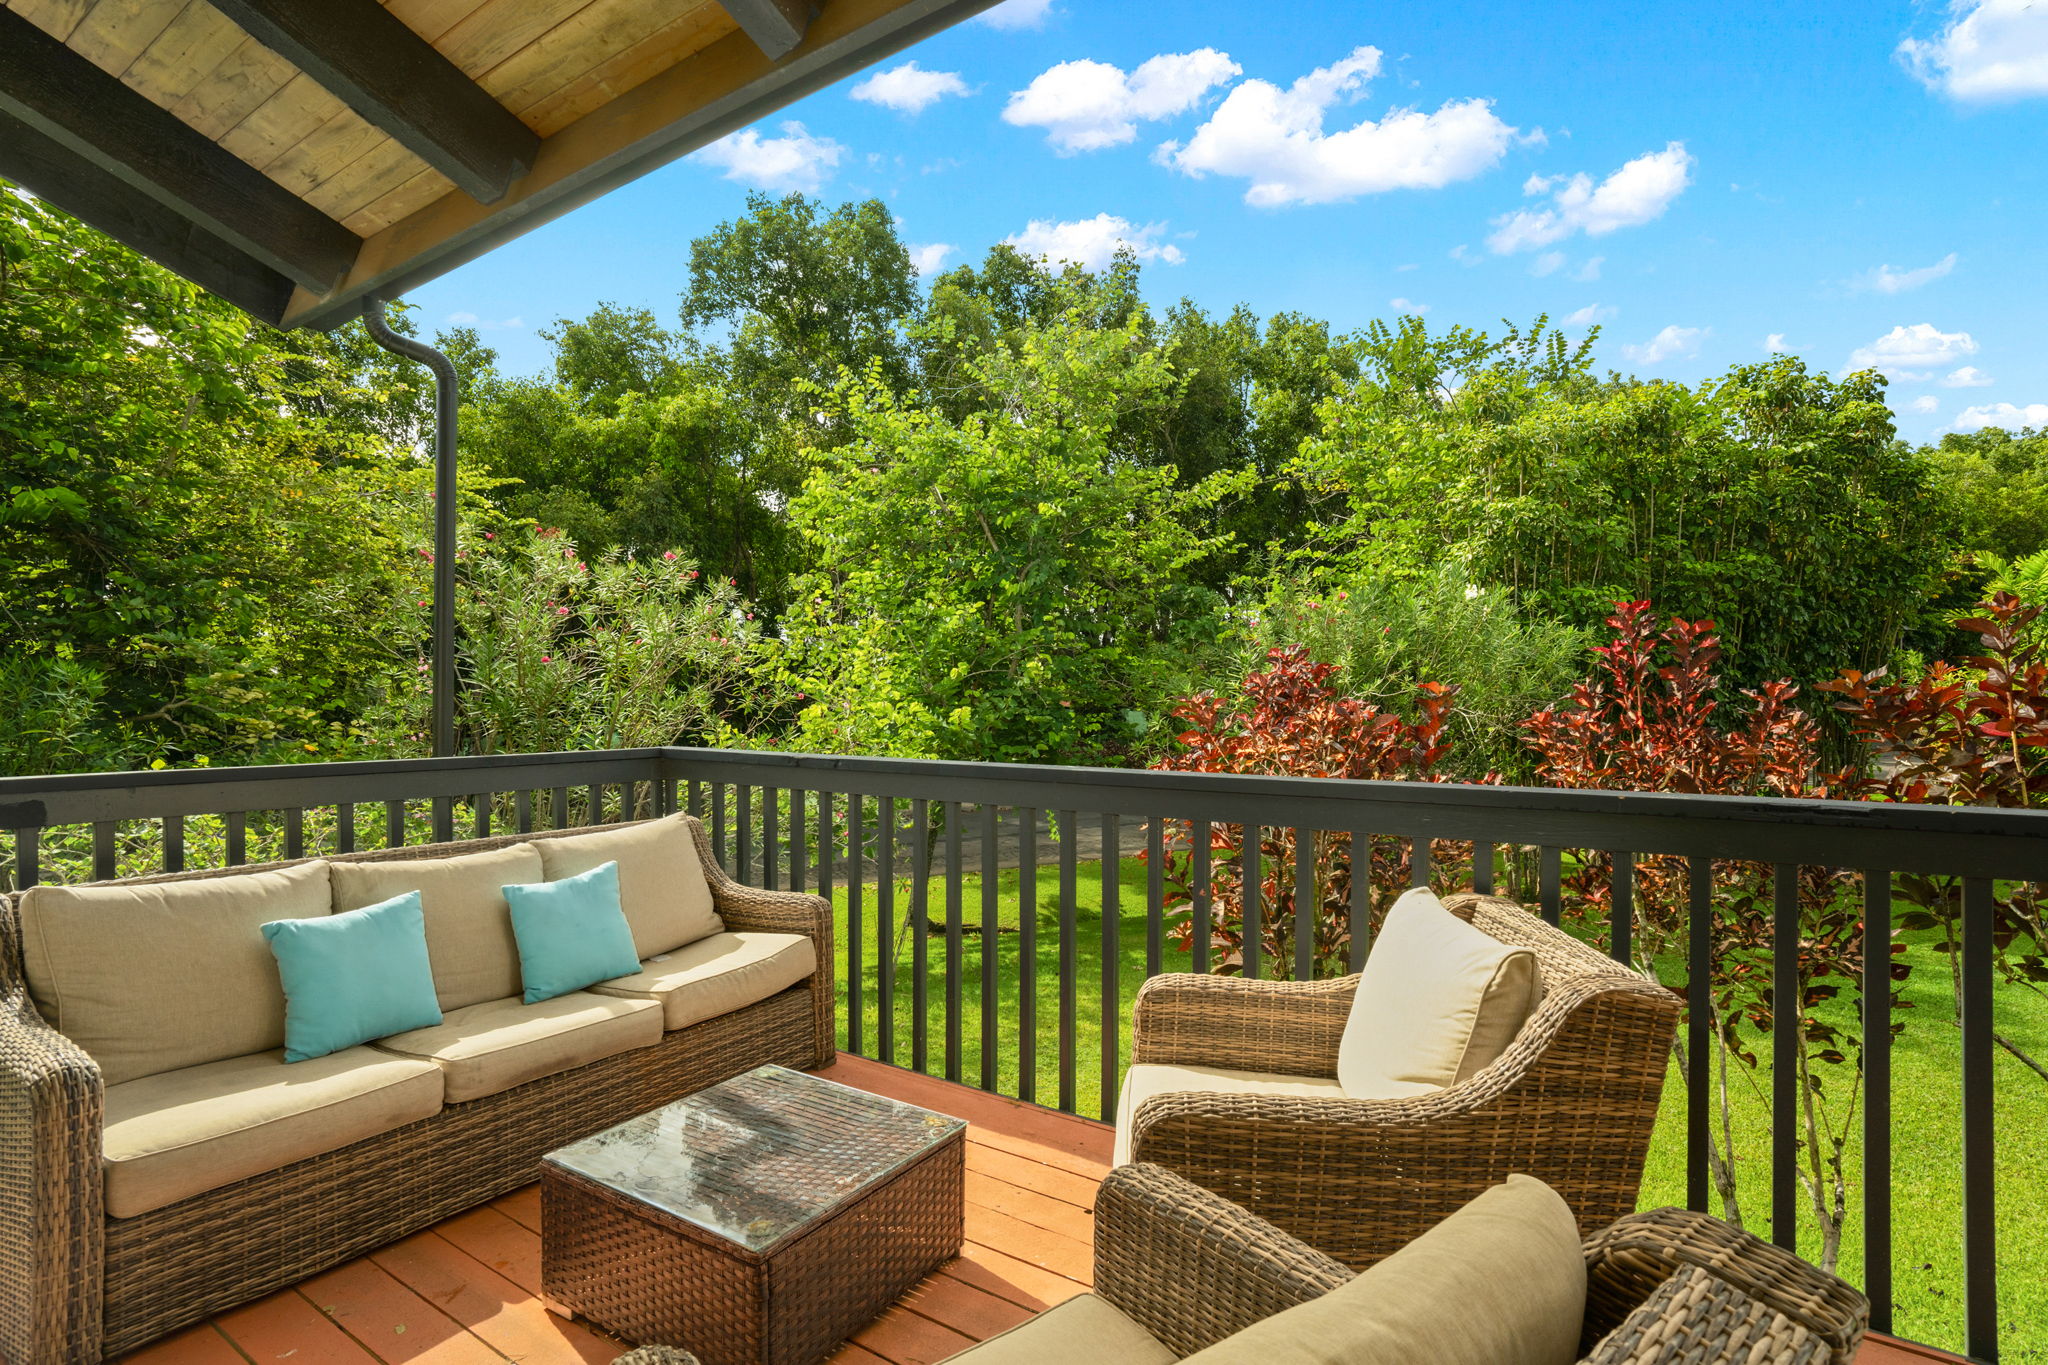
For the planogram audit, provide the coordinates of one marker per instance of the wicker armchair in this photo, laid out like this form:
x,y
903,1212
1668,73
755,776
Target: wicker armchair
x,y
1572,1101
1192,1269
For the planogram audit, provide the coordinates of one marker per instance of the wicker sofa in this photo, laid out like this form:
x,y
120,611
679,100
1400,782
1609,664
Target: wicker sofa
x,y
84,1277
1179,1271
1572,1100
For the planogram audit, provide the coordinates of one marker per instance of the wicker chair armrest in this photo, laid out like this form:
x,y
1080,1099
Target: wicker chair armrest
x,y
748,909
1627,1260
1189,1019
51,1197
1192,1268
1692,1316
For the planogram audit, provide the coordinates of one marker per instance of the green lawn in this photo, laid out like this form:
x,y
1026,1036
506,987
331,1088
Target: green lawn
x,y
1926,1145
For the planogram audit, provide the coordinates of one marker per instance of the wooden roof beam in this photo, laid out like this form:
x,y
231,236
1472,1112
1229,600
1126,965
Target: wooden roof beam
x,y
59,176
776,26
368,59
71,102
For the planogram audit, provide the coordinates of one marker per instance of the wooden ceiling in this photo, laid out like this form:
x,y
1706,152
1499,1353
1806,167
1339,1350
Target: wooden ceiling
x,y
299,156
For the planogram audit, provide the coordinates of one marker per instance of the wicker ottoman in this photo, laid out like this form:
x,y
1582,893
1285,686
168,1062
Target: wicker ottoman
x,y
759,1222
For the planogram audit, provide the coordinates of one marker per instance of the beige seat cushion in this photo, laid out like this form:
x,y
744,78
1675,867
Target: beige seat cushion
x,y
161,977
1437,1002
180,1133
661,882
1148,1079
469,926
1500,1282
483,1049
717,975
1081,1331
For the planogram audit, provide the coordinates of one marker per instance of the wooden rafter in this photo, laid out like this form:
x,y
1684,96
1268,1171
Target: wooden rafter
x,y
776,26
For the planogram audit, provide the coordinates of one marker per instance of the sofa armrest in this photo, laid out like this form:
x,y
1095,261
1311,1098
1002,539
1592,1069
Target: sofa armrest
x,y
1572,1102
1628,1260
749,909
52,1218
1189,1019
1191,1268
1693,1316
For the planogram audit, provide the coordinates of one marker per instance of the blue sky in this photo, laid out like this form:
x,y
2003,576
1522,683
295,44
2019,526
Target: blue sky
x,y
1861,184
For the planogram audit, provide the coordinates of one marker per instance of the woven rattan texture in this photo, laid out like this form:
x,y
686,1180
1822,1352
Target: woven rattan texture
x,y
1572,1101
1694,1319
654,1279
74,1285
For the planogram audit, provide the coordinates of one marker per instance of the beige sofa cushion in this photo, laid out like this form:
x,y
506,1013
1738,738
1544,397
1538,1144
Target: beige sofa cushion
x,y
1500,1282
484,1049
717,975
1437,1002
469,926
1083,1329
180,1133
157,978
1148,1079
661,882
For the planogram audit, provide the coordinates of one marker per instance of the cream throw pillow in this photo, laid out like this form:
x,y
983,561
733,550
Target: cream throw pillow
x,y
1500,1282
661,882
469,925
1438,1000
160,977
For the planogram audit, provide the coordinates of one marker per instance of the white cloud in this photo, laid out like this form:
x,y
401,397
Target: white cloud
x,y
1886,280
1465,255
2005,415
1085,106
1590,271
511,324
1637,193
1674,342
1968,377
1012,15
1911,353
1401,269
1775,343
794,161
909,88
1408,306
1093,242
1590,314
1538,184
1990,50
1549,263
928,258
1926,402
1275,139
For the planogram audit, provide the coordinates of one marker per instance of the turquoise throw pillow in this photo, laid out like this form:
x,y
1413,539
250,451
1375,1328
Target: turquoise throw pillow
x,y
571,933
352,977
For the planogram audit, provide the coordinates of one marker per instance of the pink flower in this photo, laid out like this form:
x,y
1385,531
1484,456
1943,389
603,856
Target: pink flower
x,y
670,554
423,602
547,658
693,573
490,535
561,611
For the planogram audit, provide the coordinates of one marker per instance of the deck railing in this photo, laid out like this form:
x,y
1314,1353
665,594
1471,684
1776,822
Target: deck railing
x,y
859,828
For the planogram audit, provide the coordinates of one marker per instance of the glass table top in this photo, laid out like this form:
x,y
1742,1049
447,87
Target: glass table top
x,y
759,1157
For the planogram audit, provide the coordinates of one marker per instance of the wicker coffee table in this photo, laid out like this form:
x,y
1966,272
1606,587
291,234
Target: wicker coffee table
x,y
759,1222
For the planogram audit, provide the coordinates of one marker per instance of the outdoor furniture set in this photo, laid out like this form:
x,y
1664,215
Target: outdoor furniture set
x,y
1296,1162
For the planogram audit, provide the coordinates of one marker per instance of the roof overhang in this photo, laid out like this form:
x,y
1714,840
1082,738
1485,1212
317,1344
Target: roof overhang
x,y
299,156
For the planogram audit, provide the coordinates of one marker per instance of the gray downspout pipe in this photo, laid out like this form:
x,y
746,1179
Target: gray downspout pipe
x,y
445,498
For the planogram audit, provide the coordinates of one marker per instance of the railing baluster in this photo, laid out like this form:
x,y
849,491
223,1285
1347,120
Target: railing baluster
x,y
105,857
480,813
522,810
1980,1135
1155,894
856,885
771,837
885,928
1482,868
558,808
1699,1029
718,851
1111,1029
1552,880
596,815
694,799
1205,893
344,831
1069,929
1877,1097
744,853
1418,860
1252,886
238,838
443,818
1027,954
174,843
1785,1057
920,932
28,858
956,942
295,832
1304,904
991,929
799,826
1361,901
1621,925
394,824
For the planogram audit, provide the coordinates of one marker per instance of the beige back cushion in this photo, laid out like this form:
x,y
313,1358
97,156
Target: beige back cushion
x,y
153,978
661,882
469,926
1500,1282
1438,1000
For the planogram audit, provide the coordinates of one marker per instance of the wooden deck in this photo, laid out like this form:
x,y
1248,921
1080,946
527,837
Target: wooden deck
x,y
467,1291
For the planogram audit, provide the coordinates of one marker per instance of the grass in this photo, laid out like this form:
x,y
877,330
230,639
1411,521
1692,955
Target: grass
x,y
1926,1085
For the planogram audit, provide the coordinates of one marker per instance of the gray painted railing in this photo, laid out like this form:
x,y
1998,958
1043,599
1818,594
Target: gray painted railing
x,y
865,824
